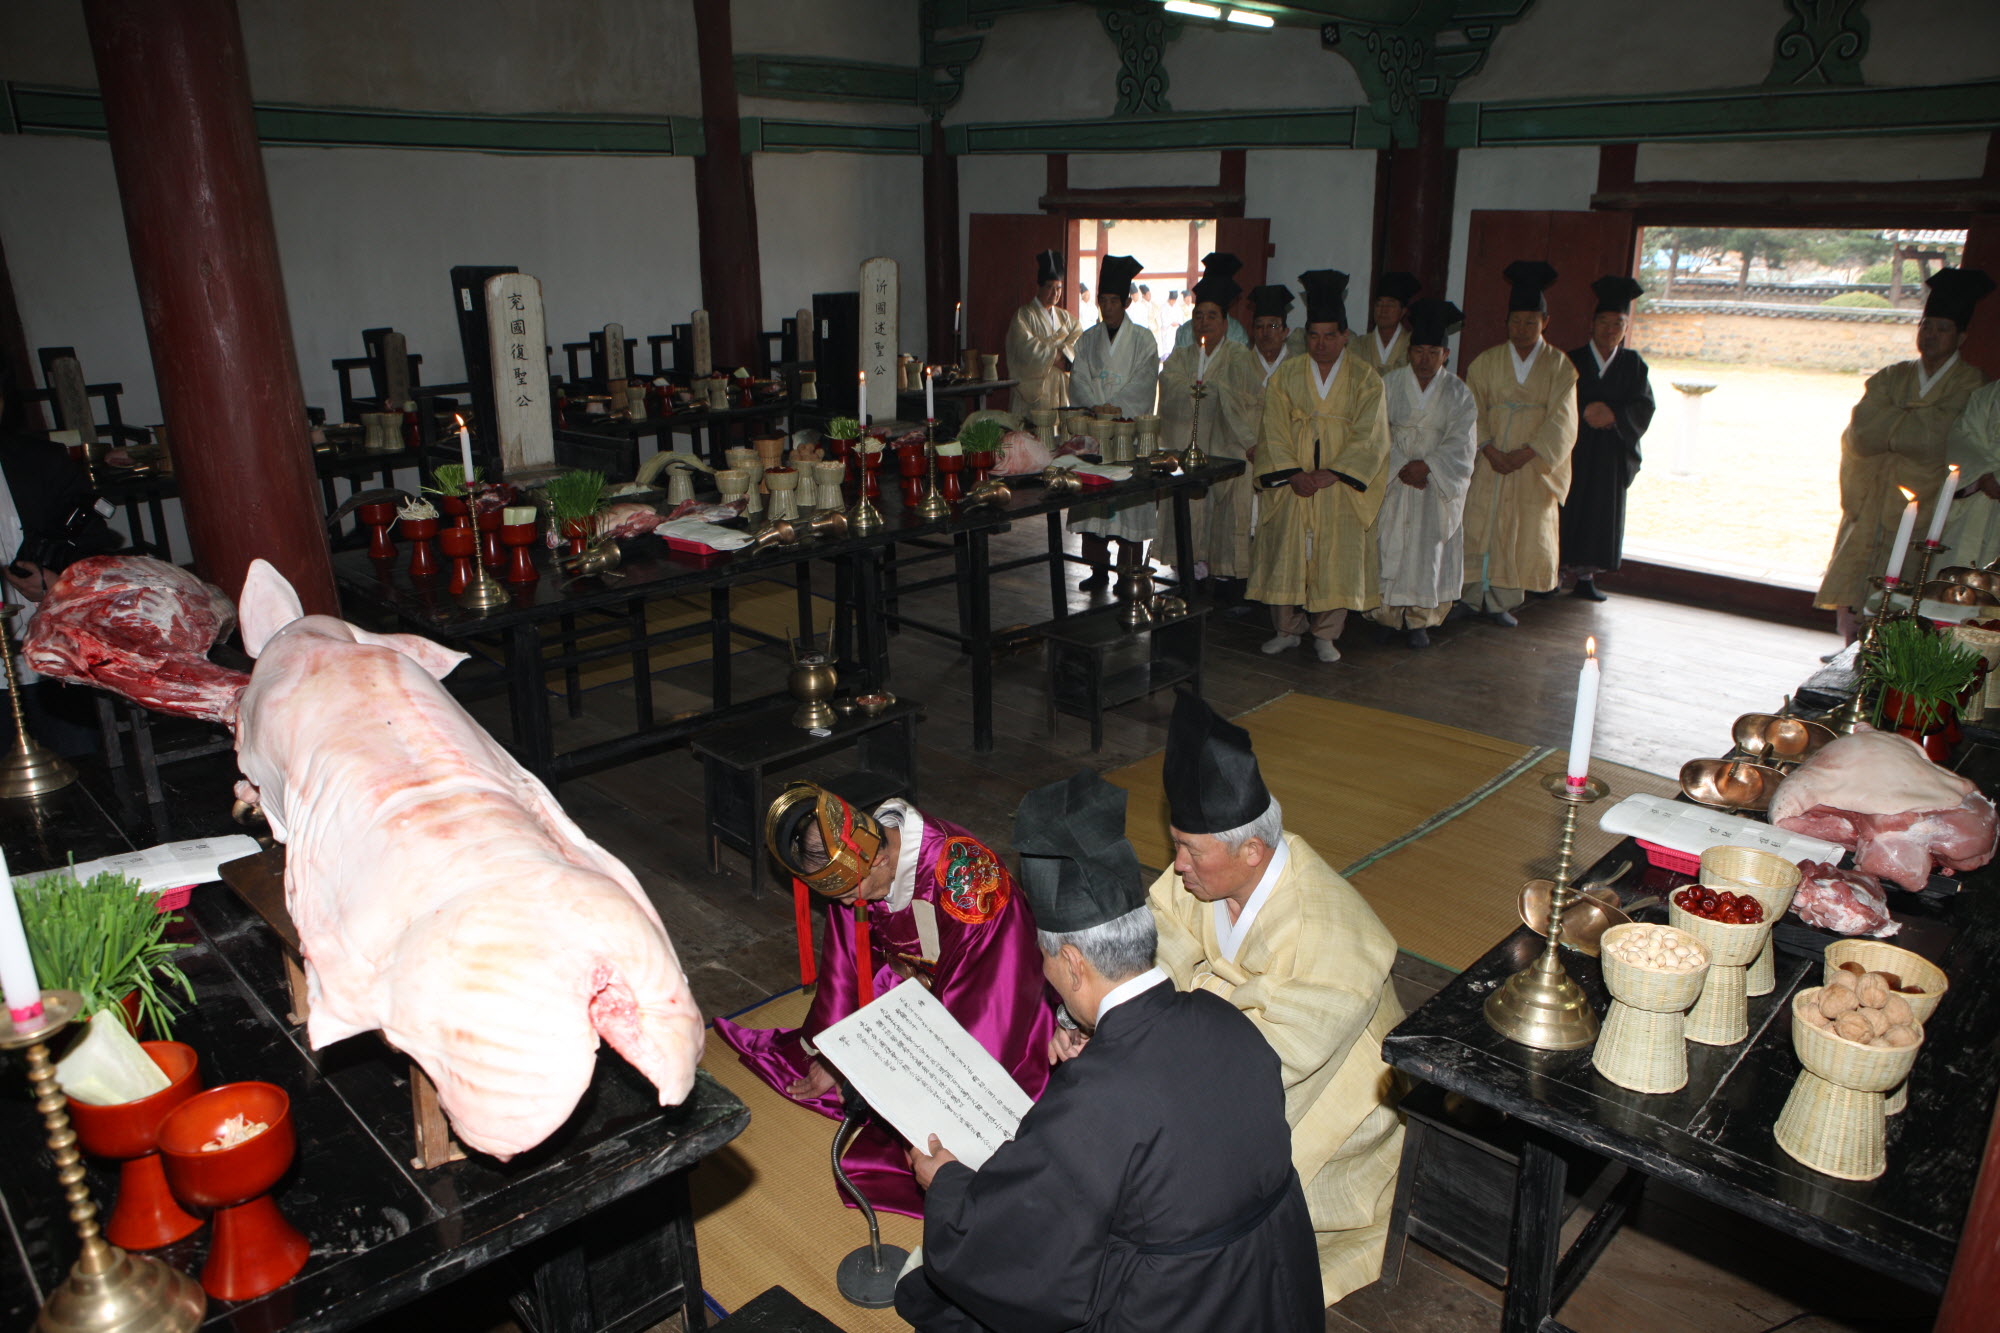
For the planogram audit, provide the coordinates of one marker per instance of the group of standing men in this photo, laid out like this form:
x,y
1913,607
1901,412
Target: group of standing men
x,y
1220,1152
1379,482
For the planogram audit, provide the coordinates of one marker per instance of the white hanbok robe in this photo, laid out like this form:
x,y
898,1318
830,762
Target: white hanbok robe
x,y
1232,412
1972,529
1421,531
1039,336
1124,372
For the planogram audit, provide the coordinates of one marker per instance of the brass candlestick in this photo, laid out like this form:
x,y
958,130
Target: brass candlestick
x,y
482,594
1193,457
1851,717
107,1289
1541,1005
32,769
1928,550
933,505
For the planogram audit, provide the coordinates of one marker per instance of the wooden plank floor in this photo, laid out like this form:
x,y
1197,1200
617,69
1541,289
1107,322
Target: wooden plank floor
x,y
1674,678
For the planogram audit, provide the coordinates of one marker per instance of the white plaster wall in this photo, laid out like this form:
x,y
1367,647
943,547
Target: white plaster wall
x,y
1321,203
612,239
880,31
999,183
1564,48
1932,41
1245,69
1524,178
1047,65
607,56
820,215
1904,158
1113,171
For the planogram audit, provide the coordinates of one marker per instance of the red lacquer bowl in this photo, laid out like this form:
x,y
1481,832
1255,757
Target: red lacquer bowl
x,y
146,1216
254,1249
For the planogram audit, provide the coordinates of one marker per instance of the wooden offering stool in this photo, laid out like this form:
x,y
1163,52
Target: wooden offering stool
x,y
260,882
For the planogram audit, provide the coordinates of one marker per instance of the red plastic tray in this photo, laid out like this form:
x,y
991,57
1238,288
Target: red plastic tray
x,y
1668,859
172,900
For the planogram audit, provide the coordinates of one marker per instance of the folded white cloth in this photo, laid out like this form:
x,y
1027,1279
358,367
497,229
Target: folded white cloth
x,y
1108,471
1694,829
703,533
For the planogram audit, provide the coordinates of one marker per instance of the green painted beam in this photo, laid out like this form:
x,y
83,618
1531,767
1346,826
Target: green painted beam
x,y
807,78
1760,114
38,110
1277,129
764,134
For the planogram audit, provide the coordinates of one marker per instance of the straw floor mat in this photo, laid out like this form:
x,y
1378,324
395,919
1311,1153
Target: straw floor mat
x,y
1437,827
772,608
765,1206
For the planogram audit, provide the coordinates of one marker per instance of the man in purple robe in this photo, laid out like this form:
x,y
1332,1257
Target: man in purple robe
x,y
905,895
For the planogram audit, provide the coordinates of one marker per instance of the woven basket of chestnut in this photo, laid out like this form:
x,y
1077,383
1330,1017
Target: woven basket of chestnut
x,y
1865,1007
1731,909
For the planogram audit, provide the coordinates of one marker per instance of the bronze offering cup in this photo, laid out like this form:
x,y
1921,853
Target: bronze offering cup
x,y
1730,784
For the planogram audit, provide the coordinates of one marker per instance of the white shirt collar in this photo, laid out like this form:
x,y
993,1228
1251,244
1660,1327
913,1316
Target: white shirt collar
x,y
1231,934
1926,382
1127,989
1603,362
909,825
1390,346
1426,392
1269,366
1325,381
1523,365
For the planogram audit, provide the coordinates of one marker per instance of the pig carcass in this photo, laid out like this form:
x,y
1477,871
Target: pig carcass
x,y
440,893
1845,902
1879,794
141,628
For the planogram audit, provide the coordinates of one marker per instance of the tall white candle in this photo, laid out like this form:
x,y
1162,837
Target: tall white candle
x,y
17,965
1943,504
957,310
930,399
464,449
1586,716
1901,547
865,418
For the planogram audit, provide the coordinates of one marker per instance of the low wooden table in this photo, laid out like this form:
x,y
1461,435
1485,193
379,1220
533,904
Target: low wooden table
x,y
1095,663
1714,1137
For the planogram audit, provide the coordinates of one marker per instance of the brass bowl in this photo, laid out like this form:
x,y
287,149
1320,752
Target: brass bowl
x,y
1591,912
1782,740
1958,594
1983,579
872,705
1730,784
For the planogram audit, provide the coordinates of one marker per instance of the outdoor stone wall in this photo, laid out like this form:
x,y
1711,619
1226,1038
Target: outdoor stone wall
x,y
1818,344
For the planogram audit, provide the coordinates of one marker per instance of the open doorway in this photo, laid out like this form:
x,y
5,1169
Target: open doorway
x,y
1171,250
1760,341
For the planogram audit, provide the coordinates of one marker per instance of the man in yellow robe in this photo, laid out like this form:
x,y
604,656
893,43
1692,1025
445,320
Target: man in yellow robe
x,y
1223,421
1896,437
1322,461
1253,914
1387,345
1040,340
1270,336
1525,391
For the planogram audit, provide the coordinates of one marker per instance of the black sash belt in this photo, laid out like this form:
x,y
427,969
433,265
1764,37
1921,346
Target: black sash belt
x,y
1229,1232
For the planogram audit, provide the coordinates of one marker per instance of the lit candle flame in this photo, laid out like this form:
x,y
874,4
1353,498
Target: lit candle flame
x,y
1908,494
457,421
1590,647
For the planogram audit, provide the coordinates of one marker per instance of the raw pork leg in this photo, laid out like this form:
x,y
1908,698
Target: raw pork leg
x,y
1845,902
141,628
440,893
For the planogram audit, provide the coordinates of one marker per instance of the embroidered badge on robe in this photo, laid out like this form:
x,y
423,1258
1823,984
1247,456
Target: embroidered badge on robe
x,y
975,888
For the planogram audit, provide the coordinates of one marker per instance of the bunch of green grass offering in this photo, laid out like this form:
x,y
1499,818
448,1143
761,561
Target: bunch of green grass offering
x,y
449,479
574,496
843,428
981,437
1927,668
105,939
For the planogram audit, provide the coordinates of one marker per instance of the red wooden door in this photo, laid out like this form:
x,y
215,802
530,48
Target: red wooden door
x,y
1000,278
1583,247
1982,336
1249,239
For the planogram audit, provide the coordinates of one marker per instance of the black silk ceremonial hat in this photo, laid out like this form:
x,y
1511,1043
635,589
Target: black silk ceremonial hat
x,y
1529,279
1218,281
1076,867
1115,277
1272,300
1211,775
1432,321
1401,287
1048,267
1615,294
1326,296
1953,293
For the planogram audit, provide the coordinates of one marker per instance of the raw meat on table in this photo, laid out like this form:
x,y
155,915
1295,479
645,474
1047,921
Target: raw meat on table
x,y
1845,902
440,893
141,628
622,521
1879,794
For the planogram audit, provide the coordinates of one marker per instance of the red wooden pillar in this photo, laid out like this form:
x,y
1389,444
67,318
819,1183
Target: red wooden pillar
x,y
941,271
176,91
1417,222
732,289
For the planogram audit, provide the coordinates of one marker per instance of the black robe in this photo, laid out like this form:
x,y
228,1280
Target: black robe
x,y
1150,1189
1606,459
